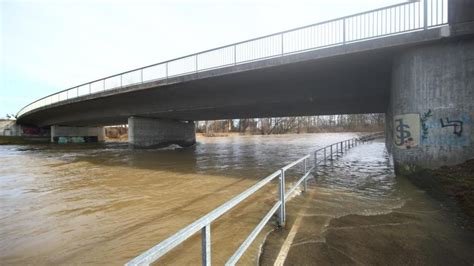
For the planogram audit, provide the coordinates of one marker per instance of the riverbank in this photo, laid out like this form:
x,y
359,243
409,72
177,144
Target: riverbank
x,y
16,140
453,185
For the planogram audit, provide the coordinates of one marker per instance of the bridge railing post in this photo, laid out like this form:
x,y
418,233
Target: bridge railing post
x,y
282,50
425,14
235,55
343,31
196,63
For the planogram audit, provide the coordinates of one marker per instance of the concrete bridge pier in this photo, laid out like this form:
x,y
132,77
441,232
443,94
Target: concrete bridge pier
x,y
431,109
70,134
144,132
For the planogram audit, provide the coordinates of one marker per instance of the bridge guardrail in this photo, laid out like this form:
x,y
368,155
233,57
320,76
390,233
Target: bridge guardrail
x,y
204,223
377,23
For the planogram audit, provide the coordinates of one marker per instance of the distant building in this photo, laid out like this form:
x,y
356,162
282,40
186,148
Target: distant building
x,y
9,128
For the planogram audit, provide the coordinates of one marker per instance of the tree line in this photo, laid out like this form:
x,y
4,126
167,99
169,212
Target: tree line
x,y
301,124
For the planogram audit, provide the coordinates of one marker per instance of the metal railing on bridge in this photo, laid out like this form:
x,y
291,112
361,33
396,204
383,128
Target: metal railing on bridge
x,y
377,23
204,223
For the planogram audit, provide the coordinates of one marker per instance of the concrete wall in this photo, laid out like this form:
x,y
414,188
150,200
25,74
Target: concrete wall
x,y
151,132
432,106
93,133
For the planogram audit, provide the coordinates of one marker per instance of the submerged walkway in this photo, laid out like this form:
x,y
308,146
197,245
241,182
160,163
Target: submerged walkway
x,y
358,212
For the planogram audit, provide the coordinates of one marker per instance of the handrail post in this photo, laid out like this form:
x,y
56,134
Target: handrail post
x,y
282,214
206,245
331,152
305,186
315,159
324,155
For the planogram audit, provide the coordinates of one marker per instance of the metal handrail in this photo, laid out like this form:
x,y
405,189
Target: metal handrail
x,y
203,224
376,23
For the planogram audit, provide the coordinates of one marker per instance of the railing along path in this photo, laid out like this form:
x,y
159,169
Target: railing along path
x,y
204,223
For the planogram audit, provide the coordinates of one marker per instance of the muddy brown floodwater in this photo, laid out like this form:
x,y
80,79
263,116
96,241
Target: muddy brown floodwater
x,y
105,204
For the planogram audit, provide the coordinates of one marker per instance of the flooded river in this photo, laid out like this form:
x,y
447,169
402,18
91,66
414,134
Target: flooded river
x,y
105,203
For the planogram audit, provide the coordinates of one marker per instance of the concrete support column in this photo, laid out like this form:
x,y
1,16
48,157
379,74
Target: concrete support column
x,y
68,134
429,120
151,132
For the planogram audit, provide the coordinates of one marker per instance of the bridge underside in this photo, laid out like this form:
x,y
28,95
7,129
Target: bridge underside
x,y
358,83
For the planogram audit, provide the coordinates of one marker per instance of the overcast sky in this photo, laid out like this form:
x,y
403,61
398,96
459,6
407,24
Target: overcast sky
x,y
47,46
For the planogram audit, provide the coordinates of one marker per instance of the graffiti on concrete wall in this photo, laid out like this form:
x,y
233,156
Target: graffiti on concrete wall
x,y
424,126
455,124
446,130
406,131
431,129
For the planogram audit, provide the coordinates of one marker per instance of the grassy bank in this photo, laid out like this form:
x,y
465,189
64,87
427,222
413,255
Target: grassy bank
x,y
452,183
15,140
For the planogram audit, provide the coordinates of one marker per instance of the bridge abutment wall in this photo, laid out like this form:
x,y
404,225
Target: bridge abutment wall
x,y
152,132
70,134
431,110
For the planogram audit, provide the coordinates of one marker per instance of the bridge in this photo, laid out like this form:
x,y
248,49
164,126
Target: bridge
x,y
413,61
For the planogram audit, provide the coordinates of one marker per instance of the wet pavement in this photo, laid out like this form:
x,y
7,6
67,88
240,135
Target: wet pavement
x,y
357,212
